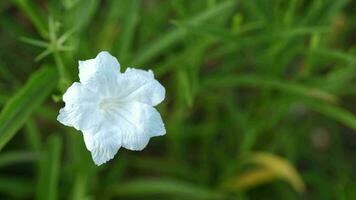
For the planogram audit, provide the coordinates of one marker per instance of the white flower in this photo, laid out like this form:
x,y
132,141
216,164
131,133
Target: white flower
x,y
113,109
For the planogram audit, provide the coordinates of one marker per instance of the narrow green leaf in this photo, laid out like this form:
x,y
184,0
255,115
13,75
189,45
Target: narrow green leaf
x,y
49,170
175,60
83,165
175,35
34,42
25,101
46,112
272,83
325,106
34,14
339,114
3,99
332,53
33,135
151,187
10,158
204,29
8,76
15,187
80,15
164,167
80,186
129,26
184,87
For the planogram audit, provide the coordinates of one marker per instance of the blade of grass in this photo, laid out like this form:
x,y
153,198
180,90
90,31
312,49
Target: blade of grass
x,y
290,13
339,114
16,188
128,29
33,135
34,14
254,10
46,112
164,167
332,53
5,74
80,15
11,158
83,164
3,99
184,87
151,187
175,35
253,40
265,82
49,169
34,42
9,24
218,32
25,101
80,186
326,108
173,61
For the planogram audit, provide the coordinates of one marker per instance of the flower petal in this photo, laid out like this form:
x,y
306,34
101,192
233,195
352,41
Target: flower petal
x,y
130,126
140,86
138,123
80,108
103,145
99,74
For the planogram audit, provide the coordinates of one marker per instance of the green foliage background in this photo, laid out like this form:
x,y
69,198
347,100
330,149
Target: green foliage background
x,y
260,98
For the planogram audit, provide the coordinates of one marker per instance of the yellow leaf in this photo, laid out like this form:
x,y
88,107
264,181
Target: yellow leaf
x,y
281,167
252,178
270,168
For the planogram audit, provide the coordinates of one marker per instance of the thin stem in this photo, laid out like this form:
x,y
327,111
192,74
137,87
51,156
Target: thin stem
x,y
63,81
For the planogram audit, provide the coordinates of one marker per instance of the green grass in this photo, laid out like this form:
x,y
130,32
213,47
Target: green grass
x,y
260,98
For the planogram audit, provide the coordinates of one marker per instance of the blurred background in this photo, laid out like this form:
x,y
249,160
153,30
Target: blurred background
x,y
260,104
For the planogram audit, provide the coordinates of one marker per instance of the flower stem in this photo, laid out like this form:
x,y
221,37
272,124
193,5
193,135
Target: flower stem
x,y
64,81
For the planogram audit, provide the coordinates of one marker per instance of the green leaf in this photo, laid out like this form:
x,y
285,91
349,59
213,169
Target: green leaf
x,y
33,135
209,30
128,32
35,15
175,35
320,100
151,187
34,42
49,170
25,101
10,158
15,187
184,87
270,83
339,114
332,53
81,14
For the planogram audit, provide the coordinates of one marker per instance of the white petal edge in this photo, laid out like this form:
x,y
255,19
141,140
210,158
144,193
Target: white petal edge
x,y
103,145
148,124
99,74
80,108
141,86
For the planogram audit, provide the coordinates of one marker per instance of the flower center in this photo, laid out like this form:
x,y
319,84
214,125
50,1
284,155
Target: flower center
x,y
108,105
